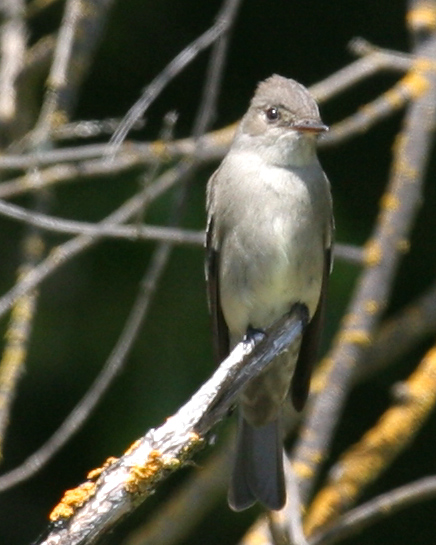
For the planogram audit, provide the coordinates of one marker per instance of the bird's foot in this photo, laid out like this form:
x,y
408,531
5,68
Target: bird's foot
x,y
254,335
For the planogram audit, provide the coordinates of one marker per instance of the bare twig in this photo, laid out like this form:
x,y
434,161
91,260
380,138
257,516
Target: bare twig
x,y
343,252
349,252
376,509
64,78
115,362
135,153
80,31
374,61
224,20
216,143
213,147
89,128
63,253
367,116
129,232
13,47
285,526
207,111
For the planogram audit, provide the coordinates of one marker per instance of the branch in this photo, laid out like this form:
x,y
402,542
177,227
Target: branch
x,y
17,342
102,230
13,47
397,335
376,509
78,36
374,60
400,333
111,369
224,20
159,260
188,505
64,252
93,508
344,252
214,144
382,107
89,128
366,460
389,240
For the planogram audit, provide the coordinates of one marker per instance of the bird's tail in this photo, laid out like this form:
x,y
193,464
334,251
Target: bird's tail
x,y
258,469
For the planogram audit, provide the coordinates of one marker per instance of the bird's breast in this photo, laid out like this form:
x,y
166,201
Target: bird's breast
x,y
269,261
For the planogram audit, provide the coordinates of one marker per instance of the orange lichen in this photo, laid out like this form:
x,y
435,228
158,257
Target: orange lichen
x,y
94,473
141,476
133,447
72,500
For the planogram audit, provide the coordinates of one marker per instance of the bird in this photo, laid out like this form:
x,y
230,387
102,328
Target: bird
x,y
268,247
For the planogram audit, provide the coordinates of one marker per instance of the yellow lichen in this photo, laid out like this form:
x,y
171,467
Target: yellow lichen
x,y
416,82
355,336
395,97
390,202
372,253
422,17
94,473
403,246
72,500
141,475
302,470
160,150
372,306
133,447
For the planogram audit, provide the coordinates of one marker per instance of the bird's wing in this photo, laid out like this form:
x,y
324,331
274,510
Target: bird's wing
x,y
309,344
220,330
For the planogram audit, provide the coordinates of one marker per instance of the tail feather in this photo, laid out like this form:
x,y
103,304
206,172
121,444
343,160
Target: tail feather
x,y
258,470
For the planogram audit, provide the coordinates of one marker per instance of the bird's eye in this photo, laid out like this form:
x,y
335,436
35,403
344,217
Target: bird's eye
x,y
272,114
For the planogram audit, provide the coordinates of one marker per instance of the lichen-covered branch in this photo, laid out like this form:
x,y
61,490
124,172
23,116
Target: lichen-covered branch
x,y
364,461
389,241
117,488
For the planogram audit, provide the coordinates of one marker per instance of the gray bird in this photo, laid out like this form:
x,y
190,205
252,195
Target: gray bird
x,y
269,240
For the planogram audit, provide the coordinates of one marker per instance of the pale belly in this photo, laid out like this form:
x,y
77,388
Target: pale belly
x,y
260,282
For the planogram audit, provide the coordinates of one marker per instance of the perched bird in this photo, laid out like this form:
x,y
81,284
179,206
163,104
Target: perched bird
x,y
269,240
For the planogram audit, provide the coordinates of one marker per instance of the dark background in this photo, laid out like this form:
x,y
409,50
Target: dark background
x,y
82,308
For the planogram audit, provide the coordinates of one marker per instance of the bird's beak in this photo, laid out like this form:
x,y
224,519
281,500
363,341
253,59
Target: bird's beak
x,y
310,125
